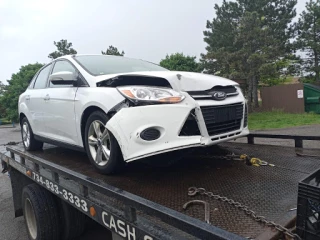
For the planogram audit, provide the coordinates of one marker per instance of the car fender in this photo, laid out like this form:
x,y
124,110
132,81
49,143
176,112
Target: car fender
x,y
23,108
103,98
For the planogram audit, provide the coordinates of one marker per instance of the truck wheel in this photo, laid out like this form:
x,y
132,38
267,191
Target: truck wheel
x,y
72,221
41,213
102,147
29,142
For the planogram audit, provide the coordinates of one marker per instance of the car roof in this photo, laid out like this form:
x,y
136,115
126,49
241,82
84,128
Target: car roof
x,y
75,55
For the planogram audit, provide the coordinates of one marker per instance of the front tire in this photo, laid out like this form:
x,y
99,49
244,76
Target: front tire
x,y
28,140
101,146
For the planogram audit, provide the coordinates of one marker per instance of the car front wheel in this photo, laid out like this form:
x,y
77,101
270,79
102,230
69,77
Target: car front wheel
x,y
102,147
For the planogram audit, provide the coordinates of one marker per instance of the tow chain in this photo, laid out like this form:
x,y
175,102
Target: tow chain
x,y
257,162
193,191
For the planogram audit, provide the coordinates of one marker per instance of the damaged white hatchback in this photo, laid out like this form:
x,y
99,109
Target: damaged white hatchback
x,y
120,109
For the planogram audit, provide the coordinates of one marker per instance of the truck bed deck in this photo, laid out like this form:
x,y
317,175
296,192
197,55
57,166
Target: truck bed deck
x,y
269,191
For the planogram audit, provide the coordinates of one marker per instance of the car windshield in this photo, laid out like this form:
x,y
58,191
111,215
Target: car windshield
x,y
101,64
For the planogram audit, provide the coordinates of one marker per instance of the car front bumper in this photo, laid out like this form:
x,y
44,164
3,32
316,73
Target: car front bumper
x,y
128,123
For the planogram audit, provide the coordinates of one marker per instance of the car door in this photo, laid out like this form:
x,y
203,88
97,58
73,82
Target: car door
x,y
35,101
59,114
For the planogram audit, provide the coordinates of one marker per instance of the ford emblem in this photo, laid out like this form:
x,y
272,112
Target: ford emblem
x,y
218,95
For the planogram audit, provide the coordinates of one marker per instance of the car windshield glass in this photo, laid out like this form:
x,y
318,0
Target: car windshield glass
x,y
101,65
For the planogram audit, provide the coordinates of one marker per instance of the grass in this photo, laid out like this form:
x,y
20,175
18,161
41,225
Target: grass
x,y
279,119
4,121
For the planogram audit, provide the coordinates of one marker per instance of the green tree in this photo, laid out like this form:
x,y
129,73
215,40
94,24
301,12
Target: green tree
x,y
180,62
246,40
2,88
113,51
64,48
308,39
285,68
256,55
17,84
220,39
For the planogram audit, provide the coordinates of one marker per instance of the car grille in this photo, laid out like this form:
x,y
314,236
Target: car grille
x,y
222,119
245,122
207,94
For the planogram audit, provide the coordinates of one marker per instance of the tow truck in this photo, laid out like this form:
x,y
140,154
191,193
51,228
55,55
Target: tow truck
x,y
212,193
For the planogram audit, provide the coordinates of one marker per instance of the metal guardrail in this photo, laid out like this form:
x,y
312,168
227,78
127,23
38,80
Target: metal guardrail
x,y
298,139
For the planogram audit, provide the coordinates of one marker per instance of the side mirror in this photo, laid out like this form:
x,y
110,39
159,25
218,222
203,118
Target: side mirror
x,y
62,78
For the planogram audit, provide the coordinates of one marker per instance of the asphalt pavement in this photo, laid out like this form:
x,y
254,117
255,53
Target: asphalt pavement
x,y
12,228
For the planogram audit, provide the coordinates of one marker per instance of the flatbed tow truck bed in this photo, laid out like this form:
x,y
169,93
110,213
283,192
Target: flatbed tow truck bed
x,y
150,199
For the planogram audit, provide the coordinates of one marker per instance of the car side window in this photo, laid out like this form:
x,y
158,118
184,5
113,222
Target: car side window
x,y
41,81
61,66
30,86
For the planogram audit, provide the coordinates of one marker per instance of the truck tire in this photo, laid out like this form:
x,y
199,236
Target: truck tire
x,y
40,210
96,126
72,221
28,140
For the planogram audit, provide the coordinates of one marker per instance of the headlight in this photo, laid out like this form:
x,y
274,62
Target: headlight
x,y
151,94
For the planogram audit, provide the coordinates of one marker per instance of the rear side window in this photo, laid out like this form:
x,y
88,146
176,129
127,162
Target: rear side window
x,y
61,66
42,78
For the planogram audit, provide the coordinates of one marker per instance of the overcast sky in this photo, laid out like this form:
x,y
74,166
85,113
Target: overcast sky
x,y
145,29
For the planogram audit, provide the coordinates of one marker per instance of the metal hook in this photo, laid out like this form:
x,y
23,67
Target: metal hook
x,y
206,208
192,191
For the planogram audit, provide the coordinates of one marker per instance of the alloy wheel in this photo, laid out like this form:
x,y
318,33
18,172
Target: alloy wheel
x,y
99,143
26,134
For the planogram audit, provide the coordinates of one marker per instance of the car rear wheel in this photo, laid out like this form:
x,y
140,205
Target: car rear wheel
x,y
102,148
28,140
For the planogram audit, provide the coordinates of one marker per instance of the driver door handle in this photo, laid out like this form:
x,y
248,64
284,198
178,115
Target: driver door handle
x,y
47,97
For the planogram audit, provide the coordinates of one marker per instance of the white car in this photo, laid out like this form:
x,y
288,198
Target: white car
x,y
119,109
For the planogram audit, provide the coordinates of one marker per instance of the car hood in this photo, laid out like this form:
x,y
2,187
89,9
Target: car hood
x,y
181,81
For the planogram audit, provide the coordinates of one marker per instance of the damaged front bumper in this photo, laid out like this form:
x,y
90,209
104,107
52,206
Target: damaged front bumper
x,y
153,129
